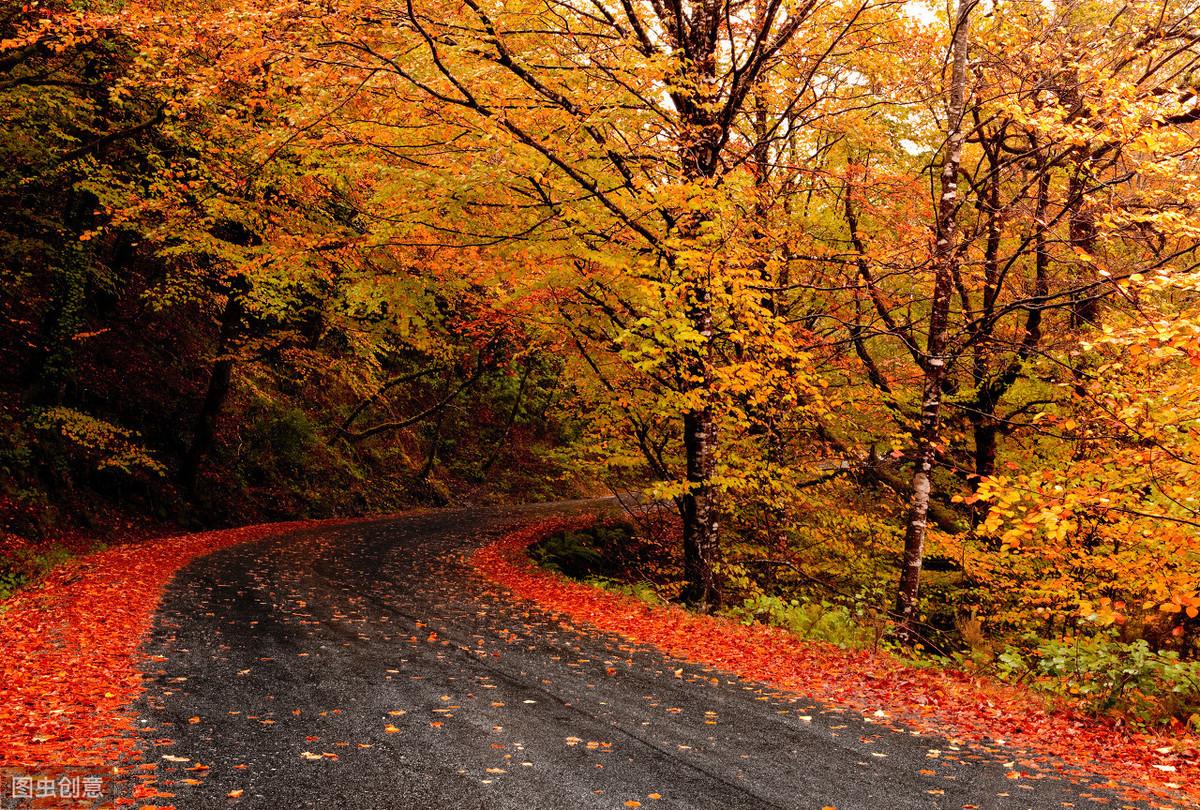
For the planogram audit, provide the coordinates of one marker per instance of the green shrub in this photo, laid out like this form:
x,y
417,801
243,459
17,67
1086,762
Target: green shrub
x,y
597,556
280,439
821,621
645,591
23,565
1112,677
594,552
576,554
9,582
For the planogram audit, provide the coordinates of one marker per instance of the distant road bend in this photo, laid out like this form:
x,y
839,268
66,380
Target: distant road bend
x,y
368,666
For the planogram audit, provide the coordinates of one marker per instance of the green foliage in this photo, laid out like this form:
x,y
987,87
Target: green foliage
x,y
9,582
581,554
24,565
1109,676
642,590
280,438
569,554
819,621
593,556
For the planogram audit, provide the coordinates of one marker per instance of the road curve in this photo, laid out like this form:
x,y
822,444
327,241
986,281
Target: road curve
x,y
368,666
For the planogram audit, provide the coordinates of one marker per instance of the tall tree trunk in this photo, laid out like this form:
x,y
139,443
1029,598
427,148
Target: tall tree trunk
x,y
56,370
934,365
1081,225
435,440
991,388
699,155
986,432
983,415
701,538
502,440
763,418
1085,305
219,380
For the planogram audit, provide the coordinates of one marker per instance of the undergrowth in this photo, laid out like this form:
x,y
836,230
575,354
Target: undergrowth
x,y
25,565
1098,674
1103,675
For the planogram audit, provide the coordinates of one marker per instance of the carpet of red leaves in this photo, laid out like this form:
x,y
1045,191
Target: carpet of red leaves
x,y
943,701
69,648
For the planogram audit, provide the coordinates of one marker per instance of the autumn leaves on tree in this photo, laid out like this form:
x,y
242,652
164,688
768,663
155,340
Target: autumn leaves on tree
x,y
851,285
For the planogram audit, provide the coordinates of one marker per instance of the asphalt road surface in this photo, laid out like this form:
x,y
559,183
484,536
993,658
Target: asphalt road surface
x,y
368,666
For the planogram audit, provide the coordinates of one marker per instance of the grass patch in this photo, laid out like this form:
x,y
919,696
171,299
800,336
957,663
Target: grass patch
x,y
23,566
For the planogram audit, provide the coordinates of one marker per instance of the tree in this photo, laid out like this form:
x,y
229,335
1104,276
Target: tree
x,y
631,127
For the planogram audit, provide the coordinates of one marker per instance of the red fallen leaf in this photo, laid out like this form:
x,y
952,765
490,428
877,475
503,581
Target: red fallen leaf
x,y
941,701
71,641
235,794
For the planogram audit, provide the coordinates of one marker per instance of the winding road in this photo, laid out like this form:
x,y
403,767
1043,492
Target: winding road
x,y
367,665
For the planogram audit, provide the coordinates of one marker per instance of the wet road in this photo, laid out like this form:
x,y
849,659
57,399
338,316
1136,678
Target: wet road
x,y
368,666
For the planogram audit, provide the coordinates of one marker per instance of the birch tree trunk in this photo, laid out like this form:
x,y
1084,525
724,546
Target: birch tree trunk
x,y
934,361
